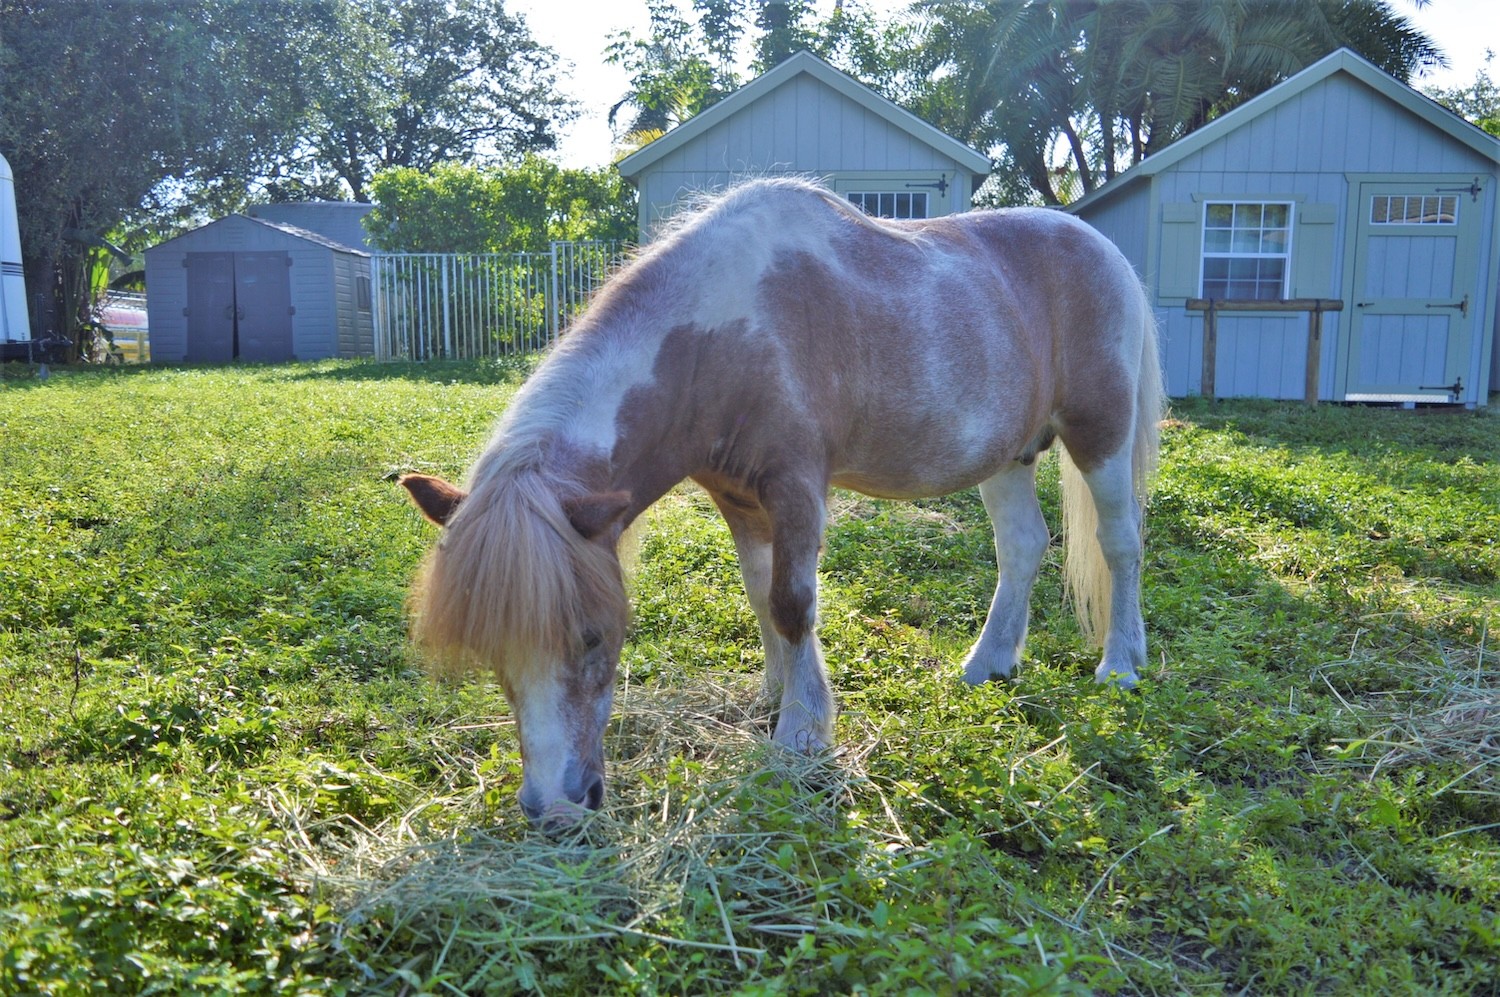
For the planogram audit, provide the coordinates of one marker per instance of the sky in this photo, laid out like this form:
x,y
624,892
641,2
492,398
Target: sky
x,y
579,30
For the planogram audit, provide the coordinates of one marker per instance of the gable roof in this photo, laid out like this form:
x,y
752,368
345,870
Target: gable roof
x,y
803,62
1342,61
280,227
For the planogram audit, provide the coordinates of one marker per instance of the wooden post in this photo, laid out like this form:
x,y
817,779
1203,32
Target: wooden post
x,y
1314,353
1315,307
1210,350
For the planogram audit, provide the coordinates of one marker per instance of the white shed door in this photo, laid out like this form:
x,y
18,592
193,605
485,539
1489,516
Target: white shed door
x,y
1415,293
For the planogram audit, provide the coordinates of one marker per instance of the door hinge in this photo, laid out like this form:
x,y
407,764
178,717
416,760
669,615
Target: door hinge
x,y
1462,306
1473,190
1456,389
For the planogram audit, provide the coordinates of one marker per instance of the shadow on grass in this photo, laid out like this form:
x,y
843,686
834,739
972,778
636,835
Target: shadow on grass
x,y
1366,432
502,370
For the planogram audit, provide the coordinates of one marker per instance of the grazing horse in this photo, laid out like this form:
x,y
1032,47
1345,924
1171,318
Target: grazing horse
x,y
774,344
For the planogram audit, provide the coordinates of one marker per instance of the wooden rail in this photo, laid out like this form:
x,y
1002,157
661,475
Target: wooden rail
x,y
1315,307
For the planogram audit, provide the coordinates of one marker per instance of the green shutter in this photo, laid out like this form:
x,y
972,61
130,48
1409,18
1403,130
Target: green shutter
x,y
1313,251
1181,242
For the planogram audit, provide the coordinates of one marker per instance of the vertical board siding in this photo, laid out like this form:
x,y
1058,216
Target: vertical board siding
x,y
320,296
803,128
1307,148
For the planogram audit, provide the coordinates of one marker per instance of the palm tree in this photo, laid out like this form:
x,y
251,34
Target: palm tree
x,y
1110,82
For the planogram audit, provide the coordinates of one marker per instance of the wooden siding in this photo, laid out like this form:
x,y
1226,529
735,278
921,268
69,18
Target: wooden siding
x,y
1312,150
356,327
802,128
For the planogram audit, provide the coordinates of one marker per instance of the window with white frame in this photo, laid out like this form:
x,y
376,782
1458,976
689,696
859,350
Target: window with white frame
x,y
887,204
1413,209
1246,249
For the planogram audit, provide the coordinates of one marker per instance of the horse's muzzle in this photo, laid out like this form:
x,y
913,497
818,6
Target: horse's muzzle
x,y
583,789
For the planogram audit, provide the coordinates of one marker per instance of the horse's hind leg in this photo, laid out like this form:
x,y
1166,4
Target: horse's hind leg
x,y
1119,534
1021,539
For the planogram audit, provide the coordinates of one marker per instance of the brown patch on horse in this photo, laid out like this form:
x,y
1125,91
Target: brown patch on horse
x,y
594,515
437,499
1096,420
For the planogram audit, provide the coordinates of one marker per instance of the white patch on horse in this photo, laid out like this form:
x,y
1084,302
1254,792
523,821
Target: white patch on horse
x,y
578,396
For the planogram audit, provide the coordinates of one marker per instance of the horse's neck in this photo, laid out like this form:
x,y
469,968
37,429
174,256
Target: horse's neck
x,y
569,416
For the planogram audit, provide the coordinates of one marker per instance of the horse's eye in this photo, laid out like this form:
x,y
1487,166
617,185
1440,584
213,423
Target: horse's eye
x,y
591,639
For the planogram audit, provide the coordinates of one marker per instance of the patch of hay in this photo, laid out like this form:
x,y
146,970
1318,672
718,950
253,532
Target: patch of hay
x,y
1451,718
705,821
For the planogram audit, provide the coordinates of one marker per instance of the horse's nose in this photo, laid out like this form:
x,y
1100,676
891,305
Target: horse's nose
x,y
593,793
583,784
583,788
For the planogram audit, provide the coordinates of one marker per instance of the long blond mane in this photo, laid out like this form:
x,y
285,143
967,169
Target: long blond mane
x,y
512,582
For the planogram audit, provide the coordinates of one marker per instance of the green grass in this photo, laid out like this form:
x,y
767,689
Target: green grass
x,y
224,772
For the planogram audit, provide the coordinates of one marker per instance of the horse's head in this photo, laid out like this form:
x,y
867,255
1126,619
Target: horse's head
x,y
529,584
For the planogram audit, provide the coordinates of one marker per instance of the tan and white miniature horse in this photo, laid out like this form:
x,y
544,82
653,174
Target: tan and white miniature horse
x,y
777,343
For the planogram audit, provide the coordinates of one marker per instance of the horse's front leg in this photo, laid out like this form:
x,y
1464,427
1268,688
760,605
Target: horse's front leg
x,y
751,529
1021,540
797,514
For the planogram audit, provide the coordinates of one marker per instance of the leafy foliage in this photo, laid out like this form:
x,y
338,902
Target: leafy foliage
x,y
223,772
1102,86
152,113
1479,102
464,209
422,82
103,102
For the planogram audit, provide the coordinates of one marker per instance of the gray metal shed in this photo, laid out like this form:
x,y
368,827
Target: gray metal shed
x,y
1341,187
805,118
341,221
243,288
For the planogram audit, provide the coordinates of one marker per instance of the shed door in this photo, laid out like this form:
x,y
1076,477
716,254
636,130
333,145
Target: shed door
x,y
263,300
239,307
210,310
1415,293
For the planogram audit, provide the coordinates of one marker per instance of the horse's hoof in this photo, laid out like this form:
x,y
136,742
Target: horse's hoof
x,y
978,672
1107,674
803,742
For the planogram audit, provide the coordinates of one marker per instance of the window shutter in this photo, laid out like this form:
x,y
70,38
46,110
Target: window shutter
x,y
1313,251
1181,243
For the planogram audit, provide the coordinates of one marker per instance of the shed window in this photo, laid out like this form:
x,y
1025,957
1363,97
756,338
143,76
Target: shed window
x,y
362,293
1414,209
1246,249
885,204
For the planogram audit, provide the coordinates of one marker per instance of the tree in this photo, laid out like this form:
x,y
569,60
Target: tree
x,y
1479,102
105,102
678,70
421,82
684,66
455,208
1105,84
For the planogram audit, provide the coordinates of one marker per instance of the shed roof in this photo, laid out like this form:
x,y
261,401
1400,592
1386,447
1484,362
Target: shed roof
x,y
803,62
1342,61
281,227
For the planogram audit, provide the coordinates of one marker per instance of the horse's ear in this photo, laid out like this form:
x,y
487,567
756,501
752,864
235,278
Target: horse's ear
x,y
592,515
437,499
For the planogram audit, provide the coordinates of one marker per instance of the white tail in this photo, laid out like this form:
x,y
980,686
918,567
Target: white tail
x,y
1084,567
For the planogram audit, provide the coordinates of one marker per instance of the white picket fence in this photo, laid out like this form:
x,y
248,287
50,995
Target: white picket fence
x,y
468,306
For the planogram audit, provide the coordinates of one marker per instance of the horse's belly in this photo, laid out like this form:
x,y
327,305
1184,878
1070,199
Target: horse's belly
x,y
931,459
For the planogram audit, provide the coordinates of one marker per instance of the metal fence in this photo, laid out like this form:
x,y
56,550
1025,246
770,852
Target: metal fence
x,y
464,306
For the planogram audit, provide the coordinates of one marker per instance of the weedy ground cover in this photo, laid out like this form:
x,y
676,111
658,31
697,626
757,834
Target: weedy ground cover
x,y
221,769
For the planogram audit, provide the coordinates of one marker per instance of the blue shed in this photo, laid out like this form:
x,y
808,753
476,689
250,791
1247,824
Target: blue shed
x,y
242,288
805,118
1340,193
